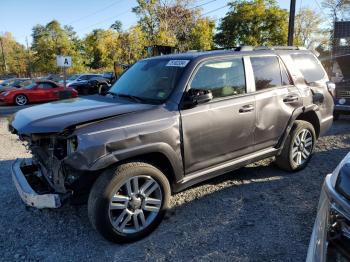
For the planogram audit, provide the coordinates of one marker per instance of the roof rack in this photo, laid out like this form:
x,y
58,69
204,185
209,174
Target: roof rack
x,y
257,48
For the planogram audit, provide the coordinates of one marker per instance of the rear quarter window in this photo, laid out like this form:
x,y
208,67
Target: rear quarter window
x,y
309,66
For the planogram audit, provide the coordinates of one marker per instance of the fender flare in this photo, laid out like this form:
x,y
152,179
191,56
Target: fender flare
x,y
296,113
124,154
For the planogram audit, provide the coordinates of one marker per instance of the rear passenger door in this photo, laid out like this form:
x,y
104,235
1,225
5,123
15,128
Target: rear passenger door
x,y
276,99
221,129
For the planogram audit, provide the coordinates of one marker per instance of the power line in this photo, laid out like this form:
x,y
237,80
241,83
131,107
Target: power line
x,y
104,20
200,5
212,11
95,12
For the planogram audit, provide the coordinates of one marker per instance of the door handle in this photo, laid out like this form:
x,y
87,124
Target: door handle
x,y
290,99
246,108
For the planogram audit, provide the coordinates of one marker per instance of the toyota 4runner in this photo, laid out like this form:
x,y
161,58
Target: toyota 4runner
x,y
168,123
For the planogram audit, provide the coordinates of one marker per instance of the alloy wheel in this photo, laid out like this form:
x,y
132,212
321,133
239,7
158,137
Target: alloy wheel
x,y
21,100
302,147
135,204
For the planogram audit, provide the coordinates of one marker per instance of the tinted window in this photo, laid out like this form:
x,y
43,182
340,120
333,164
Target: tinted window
x,y
84,77
309,67
45,85
266,72
223,78
286,80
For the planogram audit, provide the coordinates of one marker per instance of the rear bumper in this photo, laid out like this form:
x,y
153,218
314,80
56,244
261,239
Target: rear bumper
x,y
29,196
325,125
341,107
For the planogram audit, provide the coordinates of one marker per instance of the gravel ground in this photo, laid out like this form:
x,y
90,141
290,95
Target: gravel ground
x,y
257,213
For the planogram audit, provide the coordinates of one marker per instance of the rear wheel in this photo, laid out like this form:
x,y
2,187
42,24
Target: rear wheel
x,y
128,202
298,148
21,100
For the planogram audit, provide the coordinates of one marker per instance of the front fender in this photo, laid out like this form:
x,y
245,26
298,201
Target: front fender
x,y
79,160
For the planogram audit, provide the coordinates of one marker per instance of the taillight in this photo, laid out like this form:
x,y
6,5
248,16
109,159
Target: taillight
x,y
331,88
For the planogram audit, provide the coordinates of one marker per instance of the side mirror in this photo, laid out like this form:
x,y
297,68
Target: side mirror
x,y
343,181
197,96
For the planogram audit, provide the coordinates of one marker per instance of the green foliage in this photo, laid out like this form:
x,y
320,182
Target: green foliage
x,y
117,26
15,56
255,22
308,31
52,40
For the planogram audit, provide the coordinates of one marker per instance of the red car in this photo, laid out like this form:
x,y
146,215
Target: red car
x,y
38,91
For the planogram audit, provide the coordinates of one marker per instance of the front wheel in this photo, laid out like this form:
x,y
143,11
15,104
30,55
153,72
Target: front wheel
x,y
21,100
298,148
128,202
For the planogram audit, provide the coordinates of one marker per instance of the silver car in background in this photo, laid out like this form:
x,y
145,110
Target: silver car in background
x,y
80,78
330,240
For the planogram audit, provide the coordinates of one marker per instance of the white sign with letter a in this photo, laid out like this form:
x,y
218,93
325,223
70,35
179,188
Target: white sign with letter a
x,y
64,61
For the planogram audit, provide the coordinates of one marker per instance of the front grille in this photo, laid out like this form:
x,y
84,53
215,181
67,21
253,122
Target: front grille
x,y
343,94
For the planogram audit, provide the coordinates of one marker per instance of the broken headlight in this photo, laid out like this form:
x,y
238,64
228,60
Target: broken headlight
x,y
72,145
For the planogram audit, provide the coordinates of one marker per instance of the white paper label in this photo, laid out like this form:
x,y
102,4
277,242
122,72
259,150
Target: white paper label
x,y
178,63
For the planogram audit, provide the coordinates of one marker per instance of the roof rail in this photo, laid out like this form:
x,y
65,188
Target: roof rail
x,y
257,48
280,48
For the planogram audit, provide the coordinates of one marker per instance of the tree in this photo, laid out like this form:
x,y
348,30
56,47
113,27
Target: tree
x,y
102,48
308,31
173,23
117,26
52,40
337,8
202,34
255,22
15,56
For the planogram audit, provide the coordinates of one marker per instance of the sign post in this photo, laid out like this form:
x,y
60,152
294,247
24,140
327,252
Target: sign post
x,y
64,62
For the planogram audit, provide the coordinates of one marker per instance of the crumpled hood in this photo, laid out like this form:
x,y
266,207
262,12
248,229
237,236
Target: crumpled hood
x,y
57,116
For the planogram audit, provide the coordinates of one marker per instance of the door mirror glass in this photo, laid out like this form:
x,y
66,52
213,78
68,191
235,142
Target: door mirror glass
x,y
343,182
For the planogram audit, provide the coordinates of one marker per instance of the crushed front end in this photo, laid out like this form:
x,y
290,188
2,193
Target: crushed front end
x,y
330,240
45,181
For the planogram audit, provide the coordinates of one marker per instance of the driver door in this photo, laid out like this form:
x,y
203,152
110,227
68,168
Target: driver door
x,y
222,129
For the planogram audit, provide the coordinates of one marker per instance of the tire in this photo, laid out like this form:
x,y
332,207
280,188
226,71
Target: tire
x,y
21,100
113,185
293,156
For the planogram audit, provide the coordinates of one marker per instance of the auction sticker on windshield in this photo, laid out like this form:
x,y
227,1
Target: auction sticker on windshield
x,y
178,63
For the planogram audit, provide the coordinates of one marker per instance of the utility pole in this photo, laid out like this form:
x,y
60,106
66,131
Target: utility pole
x,y
3,55
291,22
29,60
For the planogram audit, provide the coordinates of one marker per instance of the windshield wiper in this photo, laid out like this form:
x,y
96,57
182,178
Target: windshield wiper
x,y
134,98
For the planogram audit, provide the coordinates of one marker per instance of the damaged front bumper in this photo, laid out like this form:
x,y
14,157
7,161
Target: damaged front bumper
x,y
32,188
331,232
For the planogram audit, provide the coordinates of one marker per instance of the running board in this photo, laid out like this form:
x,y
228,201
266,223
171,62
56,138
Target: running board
x,y
213,171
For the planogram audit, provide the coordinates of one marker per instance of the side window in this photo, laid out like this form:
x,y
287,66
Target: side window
x,y
222,78
267,72
286,80
309,66
45,85
85,77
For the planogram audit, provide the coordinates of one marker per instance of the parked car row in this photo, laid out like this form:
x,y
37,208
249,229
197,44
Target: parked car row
x,y
21,91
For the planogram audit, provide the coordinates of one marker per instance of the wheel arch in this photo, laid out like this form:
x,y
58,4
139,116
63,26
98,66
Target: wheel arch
x,y
161,155
307,114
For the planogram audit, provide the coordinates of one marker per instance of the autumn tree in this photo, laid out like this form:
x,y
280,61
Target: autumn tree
x,y
52,40
254,22
308,31
174,23
14,54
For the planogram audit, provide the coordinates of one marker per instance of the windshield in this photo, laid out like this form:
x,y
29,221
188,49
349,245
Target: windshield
x,y
30,86
7,82
72,77
151,80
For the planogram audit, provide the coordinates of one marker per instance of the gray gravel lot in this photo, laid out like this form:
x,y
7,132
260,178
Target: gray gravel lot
x,y
257,213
